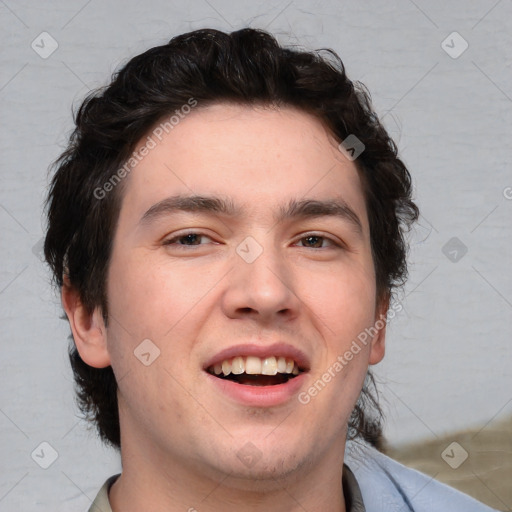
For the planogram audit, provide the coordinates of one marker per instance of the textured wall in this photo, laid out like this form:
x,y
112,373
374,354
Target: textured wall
x,y
450,109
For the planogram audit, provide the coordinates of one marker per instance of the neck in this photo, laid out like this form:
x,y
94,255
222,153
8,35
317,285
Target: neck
x,y
155,480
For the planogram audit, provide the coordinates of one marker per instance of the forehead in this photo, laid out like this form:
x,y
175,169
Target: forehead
x,y
260,157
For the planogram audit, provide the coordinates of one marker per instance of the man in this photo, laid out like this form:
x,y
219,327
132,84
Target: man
x,y
226,228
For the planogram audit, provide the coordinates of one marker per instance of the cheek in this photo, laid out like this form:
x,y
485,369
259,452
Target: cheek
x,y
150,296
159,301
343,298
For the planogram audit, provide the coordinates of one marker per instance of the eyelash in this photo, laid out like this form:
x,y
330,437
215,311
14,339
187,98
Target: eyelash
x,y
332,242
171,241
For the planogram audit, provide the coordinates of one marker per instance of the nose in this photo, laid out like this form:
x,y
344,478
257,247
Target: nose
x,y
261,289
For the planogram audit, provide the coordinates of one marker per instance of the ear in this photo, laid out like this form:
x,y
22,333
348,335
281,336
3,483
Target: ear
x,y
89,331
378,347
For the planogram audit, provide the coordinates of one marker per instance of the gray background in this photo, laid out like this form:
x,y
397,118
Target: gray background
x,y
449,351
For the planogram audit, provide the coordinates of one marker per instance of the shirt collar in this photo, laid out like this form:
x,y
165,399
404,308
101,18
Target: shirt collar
x,y
351,491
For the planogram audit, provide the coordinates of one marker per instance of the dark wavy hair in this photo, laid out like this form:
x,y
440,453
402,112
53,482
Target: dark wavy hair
x,y
247,67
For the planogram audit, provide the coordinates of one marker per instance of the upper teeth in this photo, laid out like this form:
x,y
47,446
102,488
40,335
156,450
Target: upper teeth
x,y
256,366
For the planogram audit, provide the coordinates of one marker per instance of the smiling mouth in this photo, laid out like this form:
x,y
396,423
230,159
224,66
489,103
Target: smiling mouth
x,y
255,371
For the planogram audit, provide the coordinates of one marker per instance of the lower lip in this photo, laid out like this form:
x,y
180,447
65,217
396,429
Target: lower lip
x,y
259,396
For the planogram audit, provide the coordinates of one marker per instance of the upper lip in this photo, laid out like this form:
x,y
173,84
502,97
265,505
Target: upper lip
x,y
280,349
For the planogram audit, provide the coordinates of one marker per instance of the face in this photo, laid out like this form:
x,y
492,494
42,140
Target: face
x,y
242,237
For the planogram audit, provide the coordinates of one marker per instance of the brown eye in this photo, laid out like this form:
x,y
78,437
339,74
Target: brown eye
x,y
315,241
187,239
190,239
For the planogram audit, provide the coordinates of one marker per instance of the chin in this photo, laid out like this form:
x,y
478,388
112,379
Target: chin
x,y
261,467
267,473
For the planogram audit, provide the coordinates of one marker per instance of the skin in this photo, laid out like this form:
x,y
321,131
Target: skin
x,y
180,435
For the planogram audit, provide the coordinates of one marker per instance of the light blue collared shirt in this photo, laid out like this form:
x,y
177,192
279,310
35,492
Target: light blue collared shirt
x,y
386,485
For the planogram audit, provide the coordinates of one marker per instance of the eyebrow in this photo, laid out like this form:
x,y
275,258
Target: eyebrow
x,y
195,204
313,208
294,209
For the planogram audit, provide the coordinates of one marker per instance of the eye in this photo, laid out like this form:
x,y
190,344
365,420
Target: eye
x,y
317,242
187,239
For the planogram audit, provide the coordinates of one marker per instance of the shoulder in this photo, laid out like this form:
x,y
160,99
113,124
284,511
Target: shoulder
x,y
387,484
